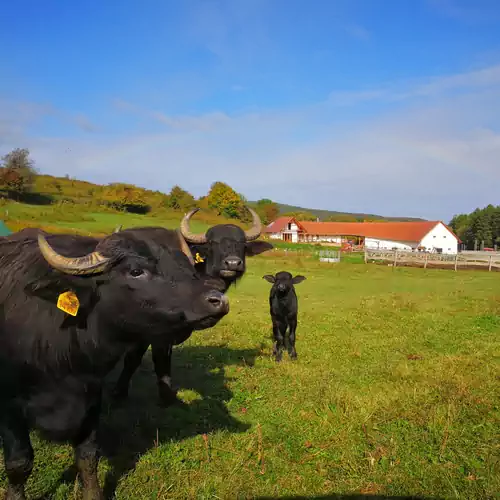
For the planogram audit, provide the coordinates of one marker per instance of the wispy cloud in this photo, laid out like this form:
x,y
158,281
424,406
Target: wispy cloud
x,y
16,116
205,122
431,161
484,78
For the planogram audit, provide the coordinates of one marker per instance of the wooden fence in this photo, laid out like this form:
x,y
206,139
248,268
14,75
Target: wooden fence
x,y
476,260
329,255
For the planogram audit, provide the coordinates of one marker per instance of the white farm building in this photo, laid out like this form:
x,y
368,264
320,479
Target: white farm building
x,y
427,236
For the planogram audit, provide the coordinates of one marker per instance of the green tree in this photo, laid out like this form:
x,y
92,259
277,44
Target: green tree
x,y
342,218
482,225
225,201
17,172
307,216
179,199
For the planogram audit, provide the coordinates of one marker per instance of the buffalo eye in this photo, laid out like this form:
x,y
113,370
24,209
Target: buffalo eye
x,y
135,273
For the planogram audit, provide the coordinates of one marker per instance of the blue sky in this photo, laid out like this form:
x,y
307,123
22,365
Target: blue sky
x,y
380,106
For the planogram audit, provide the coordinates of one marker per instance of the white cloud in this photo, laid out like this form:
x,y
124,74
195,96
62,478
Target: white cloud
x,y
430,160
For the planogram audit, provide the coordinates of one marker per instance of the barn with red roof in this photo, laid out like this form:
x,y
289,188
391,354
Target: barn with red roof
x,y
430,236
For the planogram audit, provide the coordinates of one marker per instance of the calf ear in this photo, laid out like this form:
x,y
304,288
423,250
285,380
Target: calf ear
x,y
269,277
298,279
256,247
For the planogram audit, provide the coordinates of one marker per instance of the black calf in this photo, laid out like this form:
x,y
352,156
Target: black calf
x,y
284,307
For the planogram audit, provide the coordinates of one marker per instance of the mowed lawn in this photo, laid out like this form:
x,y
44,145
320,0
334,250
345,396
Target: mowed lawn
x,y
396,391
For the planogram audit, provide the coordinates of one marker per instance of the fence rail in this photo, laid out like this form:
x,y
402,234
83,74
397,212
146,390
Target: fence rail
x,y
463,260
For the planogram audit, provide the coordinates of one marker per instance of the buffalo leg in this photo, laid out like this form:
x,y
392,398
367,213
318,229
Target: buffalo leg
x,y
290,339
18,454
279,329
162,360
87,458
131,362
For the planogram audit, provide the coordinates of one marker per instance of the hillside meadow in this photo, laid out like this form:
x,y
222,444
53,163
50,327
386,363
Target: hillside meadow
x,y
396,391
82,219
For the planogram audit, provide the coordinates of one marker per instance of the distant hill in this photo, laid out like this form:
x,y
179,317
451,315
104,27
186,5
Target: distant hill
x,y
325,214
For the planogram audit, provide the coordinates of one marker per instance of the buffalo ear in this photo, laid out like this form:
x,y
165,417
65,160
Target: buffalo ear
x,y
50,287
298,279
270,278
257,247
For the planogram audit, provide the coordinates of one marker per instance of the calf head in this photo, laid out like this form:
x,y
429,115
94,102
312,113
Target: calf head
x,y
222,250
134,285
283,282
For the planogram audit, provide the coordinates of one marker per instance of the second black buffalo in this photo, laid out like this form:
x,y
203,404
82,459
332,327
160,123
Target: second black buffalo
x,y
221,253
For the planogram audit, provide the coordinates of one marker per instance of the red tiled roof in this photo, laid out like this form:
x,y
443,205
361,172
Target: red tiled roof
x,y
395,231
280,223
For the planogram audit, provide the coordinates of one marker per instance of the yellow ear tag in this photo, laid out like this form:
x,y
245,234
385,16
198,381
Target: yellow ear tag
x,y
198,258
69,303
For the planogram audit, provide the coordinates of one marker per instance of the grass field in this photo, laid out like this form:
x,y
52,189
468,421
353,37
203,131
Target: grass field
x,y
396,391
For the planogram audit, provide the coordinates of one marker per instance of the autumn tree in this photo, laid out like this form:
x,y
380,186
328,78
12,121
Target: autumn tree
x,y
179,199
267,209
225,200
125,197
17,172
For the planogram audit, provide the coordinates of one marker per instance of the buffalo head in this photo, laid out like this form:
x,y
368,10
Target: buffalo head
x,y
136,285
283,282
222,250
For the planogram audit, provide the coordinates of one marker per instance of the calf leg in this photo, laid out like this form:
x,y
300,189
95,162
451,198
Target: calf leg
x,y
17,452
131,362
87,458
279,329
291,338
162,360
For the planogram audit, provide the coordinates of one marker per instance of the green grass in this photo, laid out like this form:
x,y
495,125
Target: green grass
x,y
396,391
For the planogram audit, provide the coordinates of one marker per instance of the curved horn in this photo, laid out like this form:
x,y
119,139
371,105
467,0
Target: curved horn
x,y
185,248
185,231
118,229
254,232
89,264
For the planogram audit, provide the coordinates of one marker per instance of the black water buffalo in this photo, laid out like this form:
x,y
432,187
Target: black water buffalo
x,y
70,307
283,305
219,253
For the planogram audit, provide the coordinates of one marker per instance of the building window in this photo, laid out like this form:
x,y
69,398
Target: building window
x,y
289,226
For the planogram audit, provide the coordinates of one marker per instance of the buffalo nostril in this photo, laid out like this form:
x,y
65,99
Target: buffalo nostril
x,y
217,300
233,262
214,300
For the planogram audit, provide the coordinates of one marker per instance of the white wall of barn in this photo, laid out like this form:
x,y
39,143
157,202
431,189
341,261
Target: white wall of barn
x,y
440,237
379,244
290,232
